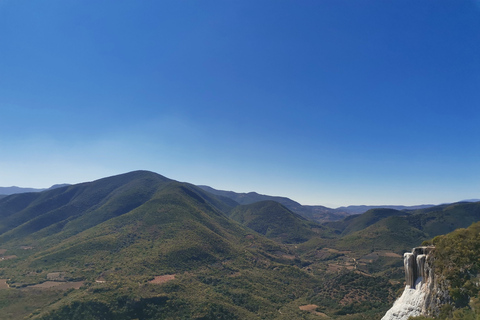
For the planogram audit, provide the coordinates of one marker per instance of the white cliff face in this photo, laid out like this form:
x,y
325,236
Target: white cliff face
x,y
419,286
409,304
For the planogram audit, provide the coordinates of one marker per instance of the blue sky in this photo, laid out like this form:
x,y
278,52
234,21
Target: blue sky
x,y
328,102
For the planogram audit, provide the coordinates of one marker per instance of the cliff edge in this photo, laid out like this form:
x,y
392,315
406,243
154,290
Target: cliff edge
x,y
423,295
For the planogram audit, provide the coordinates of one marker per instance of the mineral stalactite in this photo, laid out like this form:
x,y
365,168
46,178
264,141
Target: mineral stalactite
x,y
421,294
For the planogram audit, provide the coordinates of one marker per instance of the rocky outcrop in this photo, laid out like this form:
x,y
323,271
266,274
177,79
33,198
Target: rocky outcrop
x,y
423,294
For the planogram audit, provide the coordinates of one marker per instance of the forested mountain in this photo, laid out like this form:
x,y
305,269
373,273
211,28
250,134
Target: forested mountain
x,y
364,208
314,213
142,246
457,265
389,229
275,221
13,190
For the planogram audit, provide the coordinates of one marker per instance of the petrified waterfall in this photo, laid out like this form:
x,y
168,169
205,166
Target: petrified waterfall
x,y
422,294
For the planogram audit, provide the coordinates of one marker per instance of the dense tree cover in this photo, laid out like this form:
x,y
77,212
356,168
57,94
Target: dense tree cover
x,y
457,261
130,228
276,222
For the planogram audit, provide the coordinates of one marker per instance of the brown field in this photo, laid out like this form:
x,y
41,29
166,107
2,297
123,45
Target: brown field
x,y
163,279
308,307
391,255
58,285
4,284
371,257
311,308
2,251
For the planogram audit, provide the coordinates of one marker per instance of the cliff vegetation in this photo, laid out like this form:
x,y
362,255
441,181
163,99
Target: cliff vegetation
x,y
457,262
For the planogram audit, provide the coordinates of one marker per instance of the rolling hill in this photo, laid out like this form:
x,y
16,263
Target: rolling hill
x,y
132,231
5,191
314,213
389,229
276,222
142,246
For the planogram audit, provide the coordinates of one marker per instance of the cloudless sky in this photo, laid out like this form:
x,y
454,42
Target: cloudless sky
x,y
330,102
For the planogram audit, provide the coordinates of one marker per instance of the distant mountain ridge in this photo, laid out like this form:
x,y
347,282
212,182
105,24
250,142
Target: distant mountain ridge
x,y
382,229
359,209
14,190
316,213
275,221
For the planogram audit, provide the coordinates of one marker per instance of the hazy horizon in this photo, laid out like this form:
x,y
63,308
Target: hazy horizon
x,y
329,102
274,195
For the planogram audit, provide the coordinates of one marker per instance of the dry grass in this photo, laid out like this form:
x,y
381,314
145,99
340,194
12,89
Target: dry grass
x,y
58,285
162,279
311,308
4,284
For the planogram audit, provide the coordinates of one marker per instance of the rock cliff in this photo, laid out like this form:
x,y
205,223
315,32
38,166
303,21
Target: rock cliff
x,y
423,294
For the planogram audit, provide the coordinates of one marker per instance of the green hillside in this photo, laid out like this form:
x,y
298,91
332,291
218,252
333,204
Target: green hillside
x,y
314,213
388,229
359,222
392,233
275,221
446,218
456,262
141,246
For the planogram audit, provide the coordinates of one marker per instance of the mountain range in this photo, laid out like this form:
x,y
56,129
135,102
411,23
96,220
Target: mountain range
x,y
313,212
143,246
14,190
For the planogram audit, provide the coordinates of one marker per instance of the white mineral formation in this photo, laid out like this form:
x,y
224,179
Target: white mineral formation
x,y
419,287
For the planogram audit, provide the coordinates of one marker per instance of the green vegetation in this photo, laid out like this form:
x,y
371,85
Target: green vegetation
x,y
399,231
275,221
457,262
221,260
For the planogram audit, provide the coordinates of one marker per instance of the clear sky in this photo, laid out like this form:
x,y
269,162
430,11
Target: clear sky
x,y
330,102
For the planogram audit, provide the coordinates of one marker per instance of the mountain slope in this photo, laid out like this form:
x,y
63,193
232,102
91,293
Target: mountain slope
x,y
446,218
359,222
129,229
389,229
364,208
275,221
392,233
72,209
314,213
13,190
5,191
142,246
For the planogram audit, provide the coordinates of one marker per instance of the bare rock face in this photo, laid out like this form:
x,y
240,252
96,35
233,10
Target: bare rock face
x,y
423,295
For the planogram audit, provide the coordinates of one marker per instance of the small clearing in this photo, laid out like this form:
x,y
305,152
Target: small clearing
x,y
392,255
56,276
58,285
8,257
311,308
308,307
162,279
2,251
4,284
